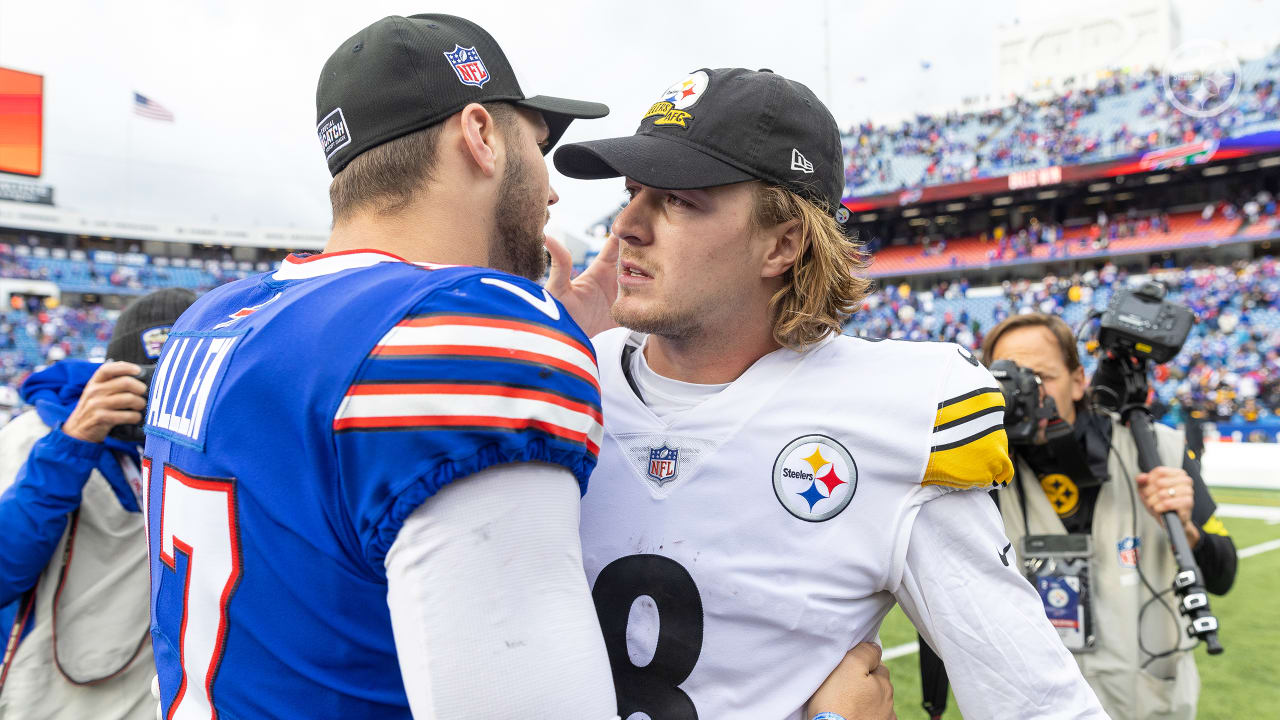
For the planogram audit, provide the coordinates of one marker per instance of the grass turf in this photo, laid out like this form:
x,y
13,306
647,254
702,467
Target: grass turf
x,y
1239,683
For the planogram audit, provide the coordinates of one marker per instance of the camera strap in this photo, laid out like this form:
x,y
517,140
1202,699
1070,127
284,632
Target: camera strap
x,y
20,621
57,594
1069,454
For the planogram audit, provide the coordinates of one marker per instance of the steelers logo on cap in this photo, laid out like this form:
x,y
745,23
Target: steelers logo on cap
x,y
814,478
672,105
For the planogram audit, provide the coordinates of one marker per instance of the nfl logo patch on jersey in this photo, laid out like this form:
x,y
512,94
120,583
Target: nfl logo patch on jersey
x,y
814,477
467,64
662,464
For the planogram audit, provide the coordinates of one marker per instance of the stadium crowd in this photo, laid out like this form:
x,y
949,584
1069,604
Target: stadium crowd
x,y
1228,370
1069,127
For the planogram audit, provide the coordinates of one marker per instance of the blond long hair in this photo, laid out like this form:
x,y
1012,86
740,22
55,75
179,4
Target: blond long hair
x,y
825,285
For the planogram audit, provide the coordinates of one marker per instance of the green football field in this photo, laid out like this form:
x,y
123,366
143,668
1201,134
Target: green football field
x,y
1239,683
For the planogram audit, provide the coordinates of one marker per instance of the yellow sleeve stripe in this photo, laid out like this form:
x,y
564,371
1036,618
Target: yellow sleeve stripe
x,y
965,407
978,461
1214,526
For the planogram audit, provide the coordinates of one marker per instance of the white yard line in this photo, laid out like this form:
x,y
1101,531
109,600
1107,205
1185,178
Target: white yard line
x,y
910,648
1252,512
1260,548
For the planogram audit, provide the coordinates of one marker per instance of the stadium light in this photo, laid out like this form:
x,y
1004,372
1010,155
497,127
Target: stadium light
x,y
958,206
1046,194
1157,179
1099,187
1215,170
1269,162
910,212
1001,201
1094,200
867,217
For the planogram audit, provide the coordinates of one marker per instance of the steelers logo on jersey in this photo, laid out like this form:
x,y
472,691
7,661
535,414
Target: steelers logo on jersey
x,y
1063,494
814,478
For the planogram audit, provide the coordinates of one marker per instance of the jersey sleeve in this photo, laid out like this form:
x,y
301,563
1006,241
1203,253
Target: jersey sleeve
x,y
485,371
968,448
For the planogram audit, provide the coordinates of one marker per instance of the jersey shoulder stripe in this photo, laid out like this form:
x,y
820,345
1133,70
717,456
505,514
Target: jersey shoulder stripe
x,y
969,448
489,336
440,405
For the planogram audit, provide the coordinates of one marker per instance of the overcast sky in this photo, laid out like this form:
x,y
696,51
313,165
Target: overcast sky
x,y
239,75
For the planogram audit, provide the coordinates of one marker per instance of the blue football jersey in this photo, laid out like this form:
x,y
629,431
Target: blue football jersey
x,y
295,420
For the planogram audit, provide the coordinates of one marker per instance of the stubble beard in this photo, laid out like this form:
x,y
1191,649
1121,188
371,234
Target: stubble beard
x,y
518,245
664,321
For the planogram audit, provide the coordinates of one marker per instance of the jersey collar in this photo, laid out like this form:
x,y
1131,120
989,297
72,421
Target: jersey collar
x,y
301,267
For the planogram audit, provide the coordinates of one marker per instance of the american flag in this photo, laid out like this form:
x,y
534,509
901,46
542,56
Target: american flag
x,y
148,108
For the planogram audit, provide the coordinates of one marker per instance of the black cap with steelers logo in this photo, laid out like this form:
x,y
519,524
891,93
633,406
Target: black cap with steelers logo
x,y
724,126
402,74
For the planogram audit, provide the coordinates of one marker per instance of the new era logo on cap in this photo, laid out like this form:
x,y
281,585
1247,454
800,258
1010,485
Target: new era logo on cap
x,y
800,162
333,133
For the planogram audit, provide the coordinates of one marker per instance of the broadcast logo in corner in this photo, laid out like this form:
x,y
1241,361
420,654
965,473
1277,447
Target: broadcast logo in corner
x,y
1202,78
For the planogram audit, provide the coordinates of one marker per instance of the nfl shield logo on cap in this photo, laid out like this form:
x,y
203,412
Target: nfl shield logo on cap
x,y
467,64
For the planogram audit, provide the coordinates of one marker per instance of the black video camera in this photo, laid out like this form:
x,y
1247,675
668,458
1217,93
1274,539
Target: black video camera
x,y
133,433
1024,407
1141,323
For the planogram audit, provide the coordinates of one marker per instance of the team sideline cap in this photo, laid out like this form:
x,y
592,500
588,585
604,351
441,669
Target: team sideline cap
x,y
402,74
717,127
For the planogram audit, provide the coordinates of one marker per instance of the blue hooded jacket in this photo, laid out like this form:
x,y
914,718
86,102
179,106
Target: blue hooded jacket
x,y
34,509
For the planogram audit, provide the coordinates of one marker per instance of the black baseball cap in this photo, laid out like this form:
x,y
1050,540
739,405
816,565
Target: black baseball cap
x,y
402,74
724,126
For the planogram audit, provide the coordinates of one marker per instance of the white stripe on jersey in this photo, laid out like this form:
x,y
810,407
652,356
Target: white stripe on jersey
x,y
474,405
479,336
968,429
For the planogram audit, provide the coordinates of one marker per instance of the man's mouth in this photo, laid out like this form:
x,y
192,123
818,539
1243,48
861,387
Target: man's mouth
x,y
629,269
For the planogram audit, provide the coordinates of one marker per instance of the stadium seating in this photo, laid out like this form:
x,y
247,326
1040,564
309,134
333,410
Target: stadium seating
x,y
972,252
1121,115
1233,352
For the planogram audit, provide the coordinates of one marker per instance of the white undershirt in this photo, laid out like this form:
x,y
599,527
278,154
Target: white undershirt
x,y
664,396
490,607
1003,658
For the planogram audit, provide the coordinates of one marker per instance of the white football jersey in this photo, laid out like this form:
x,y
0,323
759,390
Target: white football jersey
x,y
737,552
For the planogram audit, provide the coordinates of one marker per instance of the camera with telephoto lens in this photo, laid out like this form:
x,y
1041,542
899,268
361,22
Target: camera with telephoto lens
x,y
1024,406
1140,323
133,433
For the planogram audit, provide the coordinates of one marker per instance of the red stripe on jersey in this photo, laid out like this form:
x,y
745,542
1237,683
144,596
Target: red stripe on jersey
x,y
462,389
491,352
443,421
495,322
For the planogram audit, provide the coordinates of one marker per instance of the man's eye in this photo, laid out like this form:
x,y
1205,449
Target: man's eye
x,y
678,201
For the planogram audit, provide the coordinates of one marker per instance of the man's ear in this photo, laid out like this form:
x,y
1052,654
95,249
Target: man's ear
x,y
1078,384
480,137
783,248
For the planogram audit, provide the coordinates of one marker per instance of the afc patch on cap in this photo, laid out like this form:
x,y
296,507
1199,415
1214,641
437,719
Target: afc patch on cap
x,y
467,64
671,108
333,133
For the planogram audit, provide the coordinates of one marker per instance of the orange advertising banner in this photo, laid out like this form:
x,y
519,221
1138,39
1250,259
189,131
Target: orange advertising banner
x,y
21,122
